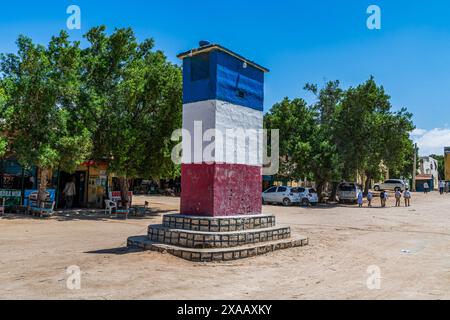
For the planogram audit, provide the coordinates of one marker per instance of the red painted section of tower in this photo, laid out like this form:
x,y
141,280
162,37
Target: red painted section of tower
x,y
220,189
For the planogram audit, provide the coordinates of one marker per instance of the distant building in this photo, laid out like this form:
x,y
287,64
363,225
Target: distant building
x,y
447,163
91,181
421,179
429,167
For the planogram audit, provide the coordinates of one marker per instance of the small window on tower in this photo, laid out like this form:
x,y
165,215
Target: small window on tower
x,y
240,93
200,67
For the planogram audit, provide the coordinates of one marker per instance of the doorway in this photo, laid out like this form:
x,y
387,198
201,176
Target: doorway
x,y
80,186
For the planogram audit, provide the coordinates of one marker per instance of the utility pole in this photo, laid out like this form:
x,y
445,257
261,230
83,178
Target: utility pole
x,y
414,169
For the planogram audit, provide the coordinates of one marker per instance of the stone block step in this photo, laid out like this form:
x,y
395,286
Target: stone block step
x,y
217,254
209,239
219,224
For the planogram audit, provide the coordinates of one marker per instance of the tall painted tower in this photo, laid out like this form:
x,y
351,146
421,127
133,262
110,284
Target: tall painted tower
x,y
221,216
223,98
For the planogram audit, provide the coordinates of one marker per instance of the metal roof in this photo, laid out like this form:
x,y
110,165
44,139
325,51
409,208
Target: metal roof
x,y
422,177
211,47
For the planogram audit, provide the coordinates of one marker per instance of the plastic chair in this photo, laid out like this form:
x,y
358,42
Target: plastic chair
x,y
110,205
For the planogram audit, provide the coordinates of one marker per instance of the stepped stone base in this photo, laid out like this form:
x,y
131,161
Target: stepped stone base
x,y
222,254
204,239
200,239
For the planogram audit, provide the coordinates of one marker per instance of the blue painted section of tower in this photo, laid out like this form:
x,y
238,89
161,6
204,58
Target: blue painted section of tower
x,y
216,75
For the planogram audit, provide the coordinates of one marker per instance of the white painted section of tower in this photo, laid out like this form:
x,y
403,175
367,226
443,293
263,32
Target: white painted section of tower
x,y
228,133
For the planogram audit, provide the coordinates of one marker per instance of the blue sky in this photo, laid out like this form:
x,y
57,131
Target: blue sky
x,y
299,41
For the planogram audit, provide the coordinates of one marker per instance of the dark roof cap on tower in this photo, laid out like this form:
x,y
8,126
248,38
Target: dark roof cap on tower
x,y
211,47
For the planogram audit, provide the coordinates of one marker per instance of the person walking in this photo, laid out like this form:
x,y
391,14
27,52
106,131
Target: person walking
x,y
360,199
370,198
383,197
407,196
386,198
398,197
69,193
426,187
442,187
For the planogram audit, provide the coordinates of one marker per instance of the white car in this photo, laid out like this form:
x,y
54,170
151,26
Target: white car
x,y
288,196
348,192
391,184
307,196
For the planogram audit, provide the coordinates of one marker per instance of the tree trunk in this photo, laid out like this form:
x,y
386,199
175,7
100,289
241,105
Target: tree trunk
x,y
42,192
124,189
319,190
334,192
367,183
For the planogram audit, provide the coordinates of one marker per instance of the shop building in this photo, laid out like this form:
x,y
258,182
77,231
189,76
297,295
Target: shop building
x,y
91,179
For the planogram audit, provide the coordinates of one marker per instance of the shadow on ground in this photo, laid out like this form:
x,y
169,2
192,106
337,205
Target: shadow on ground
x,y
63,216
115,251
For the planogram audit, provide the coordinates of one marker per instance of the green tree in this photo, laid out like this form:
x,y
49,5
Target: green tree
x,y
325,162
134,98
296,123
342,135
41,111
3,116
306,135
369,134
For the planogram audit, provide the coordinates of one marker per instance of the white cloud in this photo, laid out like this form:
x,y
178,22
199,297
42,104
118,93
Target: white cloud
x,y
418,132
431,141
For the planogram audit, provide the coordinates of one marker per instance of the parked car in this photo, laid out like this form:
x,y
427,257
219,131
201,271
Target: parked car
x,y
282,195
289,195
348,192
391,184
307,196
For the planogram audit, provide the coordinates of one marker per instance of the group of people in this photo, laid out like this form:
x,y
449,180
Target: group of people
x,y
384,196
444,187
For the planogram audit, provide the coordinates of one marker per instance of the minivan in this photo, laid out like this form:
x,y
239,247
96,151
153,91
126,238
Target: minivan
x,y
348,192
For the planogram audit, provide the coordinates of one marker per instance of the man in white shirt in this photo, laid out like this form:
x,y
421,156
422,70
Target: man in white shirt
x,y
69,193
407,196
426,187
441,187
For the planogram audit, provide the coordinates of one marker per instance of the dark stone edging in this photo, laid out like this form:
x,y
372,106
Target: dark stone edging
x,y
218,224
192,239
217,256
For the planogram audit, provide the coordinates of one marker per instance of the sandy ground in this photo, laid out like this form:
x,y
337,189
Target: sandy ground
x,y
410,246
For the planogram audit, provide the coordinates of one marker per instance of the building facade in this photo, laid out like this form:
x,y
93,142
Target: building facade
x,y
91,179
429,166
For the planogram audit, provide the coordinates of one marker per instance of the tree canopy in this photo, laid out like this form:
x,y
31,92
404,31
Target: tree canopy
x,y
134,96
117,100
40,113
344,133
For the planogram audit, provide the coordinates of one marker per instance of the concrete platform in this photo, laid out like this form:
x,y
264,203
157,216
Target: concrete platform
x,y
218,254
217,238
209,239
